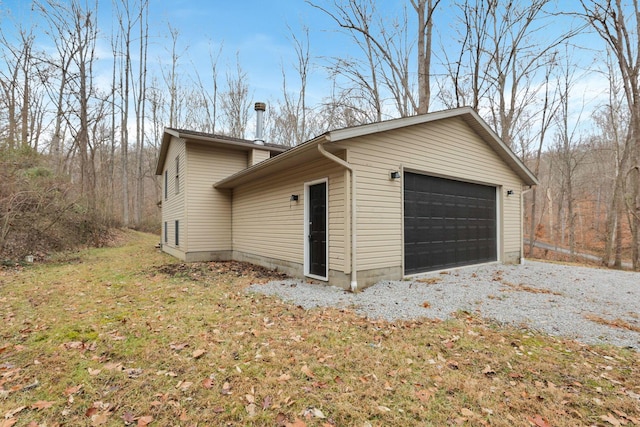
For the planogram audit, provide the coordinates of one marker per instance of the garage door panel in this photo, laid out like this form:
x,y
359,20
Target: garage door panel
x,y
448,223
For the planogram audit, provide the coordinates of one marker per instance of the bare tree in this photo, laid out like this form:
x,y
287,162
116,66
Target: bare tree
x,y
467,70
157,111
143,19
424,10
569,153
208,99
290,117
57,73
85,31
339,110
499,67
236,102
618,25
78,25
171,77
15,81
126,24
550,107
612,121
387,50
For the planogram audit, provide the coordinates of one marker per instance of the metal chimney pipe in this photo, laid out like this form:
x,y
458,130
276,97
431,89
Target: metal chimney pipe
x,y
260,107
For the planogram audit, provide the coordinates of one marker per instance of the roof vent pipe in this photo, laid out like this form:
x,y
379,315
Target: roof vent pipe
x,y
260,107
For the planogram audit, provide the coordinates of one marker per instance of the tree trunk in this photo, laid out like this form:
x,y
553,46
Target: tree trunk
x,y
424,9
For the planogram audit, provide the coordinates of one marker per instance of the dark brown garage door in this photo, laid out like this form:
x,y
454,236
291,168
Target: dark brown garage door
x,y
447,223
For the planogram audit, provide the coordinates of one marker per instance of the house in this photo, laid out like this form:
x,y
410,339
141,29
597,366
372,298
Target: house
x,y
349,207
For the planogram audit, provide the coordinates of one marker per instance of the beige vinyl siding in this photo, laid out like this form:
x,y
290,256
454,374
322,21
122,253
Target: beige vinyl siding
x,y
209,209
257,155
448,148
266,223
173,208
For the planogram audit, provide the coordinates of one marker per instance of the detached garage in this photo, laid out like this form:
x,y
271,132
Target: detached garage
x,y
356,205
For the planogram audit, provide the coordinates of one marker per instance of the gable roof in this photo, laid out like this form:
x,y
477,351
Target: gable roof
x,y
209,139
302,151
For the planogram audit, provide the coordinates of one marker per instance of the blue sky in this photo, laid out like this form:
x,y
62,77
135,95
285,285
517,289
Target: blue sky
x,y
258,33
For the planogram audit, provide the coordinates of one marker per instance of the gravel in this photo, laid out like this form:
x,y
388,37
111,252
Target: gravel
x,y
555,299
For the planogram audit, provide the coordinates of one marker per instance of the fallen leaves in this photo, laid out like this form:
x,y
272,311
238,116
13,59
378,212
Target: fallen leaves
x,y
99,413
100,418
144,421
42,404
284,378
178,346
207,353
73,389
226,389
488,371
305,370
429,280
79,345
615,323
538,421
424,395
297,423
13,412
184,385
207,383
623,420
251,409
611,420
526,288
197,354
466,412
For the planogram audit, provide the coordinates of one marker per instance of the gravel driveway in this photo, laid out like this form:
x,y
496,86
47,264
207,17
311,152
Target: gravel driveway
x,y
557,299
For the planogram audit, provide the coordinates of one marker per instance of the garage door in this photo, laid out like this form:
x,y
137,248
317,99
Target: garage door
x,y
447,223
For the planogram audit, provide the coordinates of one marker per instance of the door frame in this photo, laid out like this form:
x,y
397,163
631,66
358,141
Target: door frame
x,y
307,249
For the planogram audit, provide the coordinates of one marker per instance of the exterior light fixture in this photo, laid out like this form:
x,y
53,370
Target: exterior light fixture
x,y
294,198
394,175
509,192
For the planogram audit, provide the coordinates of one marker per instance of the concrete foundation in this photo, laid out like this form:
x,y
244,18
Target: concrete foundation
x,y
339,279
174,252
512,258
208,256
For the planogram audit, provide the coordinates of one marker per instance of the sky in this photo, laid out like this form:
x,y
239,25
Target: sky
x,y
258,34
257,31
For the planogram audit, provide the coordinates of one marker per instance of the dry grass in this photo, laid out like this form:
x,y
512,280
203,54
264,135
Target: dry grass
x,y
616,323
129,336
526,288
429,280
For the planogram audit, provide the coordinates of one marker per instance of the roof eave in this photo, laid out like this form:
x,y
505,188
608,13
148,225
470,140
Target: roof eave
x,y
164,148
501,148
371,128
248,174
466,113
169,133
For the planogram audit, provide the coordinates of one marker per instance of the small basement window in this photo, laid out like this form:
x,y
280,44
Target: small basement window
x,y
166,184
177,174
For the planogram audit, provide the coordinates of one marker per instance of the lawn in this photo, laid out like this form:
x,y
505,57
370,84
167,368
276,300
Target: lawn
x,y
130,336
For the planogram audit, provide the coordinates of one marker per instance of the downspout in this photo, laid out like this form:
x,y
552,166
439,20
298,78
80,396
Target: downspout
x,y
352,172
522,192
